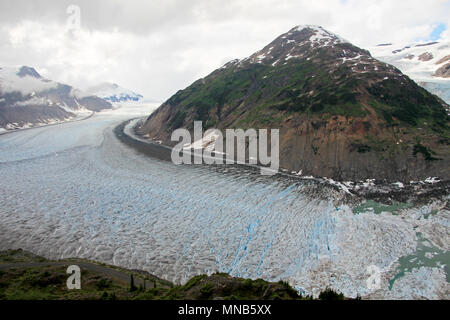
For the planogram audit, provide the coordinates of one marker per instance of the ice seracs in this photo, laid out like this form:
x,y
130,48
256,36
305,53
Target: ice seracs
x,y
432,180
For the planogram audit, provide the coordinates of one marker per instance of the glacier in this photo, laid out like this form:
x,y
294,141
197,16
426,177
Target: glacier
x,y
74,190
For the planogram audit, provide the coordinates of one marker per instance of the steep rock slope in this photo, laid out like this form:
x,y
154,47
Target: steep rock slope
x,y
341,113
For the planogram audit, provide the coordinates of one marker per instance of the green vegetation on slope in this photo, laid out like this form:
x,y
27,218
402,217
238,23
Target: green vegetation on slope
x,y
305,87
47,281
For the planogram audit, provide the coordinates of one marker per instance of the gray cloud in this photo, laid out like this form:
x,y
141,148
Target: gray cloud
x,y
158,47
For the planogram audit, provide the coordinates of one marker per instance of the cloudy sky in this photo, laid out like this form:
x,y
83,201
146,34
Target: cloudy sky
x,y
157,47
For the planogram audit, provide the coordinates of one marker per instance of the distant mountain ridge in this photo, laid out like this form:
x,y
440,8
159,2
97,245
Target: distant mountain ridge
x,y
341,113
27,99
114,93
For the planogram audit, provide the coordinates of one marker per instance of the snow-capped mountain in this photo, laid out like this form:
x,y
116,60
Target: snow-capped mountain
x,y
114,93
27,99
426,63
290,46
337,107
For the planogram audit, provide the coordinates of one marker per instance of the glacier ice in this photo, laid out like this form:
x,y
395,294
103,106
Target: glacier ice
x,y
75,190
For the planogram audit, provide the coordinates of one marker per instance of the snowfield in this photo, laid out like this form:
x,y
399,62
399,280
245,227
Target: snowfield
x,y
75,190
114,93
419,61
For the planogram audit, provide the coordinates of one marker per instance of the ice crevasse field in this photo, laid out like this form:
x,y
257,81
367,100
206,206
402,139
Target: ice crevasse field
x,y
75,190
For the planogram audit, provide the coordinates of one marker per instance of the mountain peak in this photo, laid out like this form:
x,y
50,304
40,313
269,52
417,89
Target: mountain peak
x,y
300,27
320,91
28,71
318,34
305,42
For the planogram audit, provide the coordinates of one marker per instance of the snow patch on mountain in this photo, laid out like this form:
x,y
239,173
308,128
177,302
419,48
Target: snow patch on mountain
x,y
321,35
293,44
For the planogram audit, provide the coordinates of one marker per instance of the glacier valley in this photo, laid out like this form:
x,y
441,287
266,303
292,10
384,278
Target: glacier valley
x,y
75,190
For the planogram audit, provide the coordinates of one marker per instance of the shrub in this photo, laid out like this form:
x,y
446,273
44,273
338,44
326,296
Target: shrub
x,y
330,294
207,290
418,148
103,284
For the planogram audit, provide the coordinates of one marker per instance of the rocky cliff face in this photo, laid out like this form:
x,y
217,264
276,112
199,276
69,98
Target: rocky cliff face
x,y
341,113
443,71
